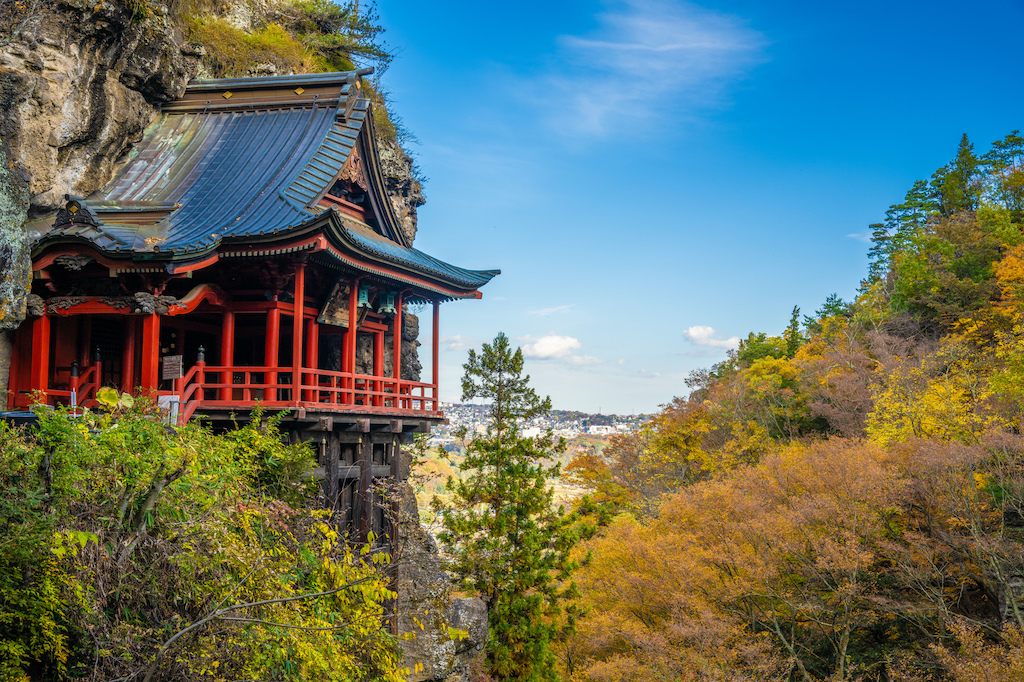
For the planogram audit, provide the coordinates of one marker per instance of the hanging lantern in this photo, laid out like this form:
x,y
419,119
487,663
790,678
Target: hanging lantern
x,y
364,297
387,303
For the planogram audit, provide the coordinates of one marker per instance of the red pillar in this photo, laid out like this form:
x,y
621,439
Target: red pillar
x,y
227,351
396,343
85,344
348,363
378,365
312,356
39,376
150,360
128,356
270,355
436,350
297,350
13,376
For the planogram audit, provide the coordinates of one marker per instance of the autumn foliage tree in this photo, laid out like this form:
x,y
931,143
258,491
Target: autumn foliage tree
x,y
843,501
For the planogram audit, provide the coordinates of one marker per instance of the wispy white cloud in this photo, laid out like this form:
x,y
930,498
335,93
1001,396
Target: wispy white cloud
x,y
861,236
649,375
583,360
647,57
548,312
701,335
456,342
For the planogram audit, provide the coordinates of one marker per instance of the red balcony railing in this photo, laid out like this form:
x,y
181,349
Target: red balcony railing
x,y
230,387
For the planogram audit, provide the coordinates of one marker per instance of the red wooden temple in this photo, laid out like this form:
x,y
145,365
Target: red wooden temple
x,y
247,253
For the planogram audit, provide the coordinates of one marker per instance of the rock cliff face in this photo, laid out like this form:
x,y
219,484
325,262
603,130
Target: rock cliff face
x,y
404,190
443,639
79,82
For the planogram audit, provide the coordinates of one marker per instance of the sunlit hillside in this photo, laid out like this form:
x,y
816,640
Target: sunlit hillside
x,y
843,500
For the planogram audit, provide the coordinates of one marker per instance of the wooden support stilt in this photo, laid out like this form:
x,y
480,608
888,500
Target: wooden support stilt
x,y
365,487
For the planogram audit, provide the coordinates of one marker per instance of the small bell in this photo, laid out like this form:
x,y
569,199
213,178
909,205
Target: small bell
x,y
387,303
364,297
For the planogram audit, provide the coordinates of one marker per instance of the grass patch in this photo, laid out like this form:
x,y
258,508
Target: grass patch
x,y
231,52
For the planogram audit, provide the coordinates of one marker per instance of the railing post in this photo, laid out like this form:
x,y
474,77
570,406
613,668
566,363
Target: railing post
x,y
73,384
201,372
97,369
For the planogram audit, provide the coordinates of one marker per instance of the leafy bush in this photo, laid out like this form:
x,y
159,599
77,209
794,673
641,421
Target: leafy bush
x,y
133,549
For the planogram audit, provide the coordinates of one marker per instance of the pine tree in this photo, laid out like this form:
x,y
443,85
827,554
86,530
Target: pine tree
x,y
794,339
957,184
507,541
902,220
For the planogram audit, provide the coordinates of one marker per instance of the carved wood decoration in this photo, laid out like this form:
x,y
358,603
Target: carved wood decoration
x,y
335,310
354,172
73,262
73,212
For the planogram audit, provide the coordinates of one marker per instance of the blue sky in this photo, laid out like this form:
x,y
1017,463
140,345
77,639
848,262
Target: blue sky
x,y
656,179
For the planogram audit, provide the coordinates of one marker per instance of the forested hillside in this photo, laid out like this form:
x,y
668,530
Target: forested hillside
x,y
844,500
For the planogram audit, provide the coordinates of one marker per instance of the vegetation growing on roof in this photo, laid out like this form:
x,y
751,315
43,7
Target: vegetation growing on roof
x,y
232,52
308,36
298,36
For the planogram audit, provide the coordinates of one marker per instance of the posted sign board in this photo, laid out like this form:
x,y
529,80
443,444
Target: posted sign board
x,y
172,367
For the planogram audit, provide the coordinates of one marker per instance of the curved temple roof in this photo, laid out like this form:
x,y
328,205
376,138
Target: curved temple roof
x,y
243,159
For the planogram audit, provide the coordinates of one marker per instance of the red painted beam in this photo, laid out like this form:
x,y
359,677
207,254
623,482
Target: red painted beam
x,y
379,268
